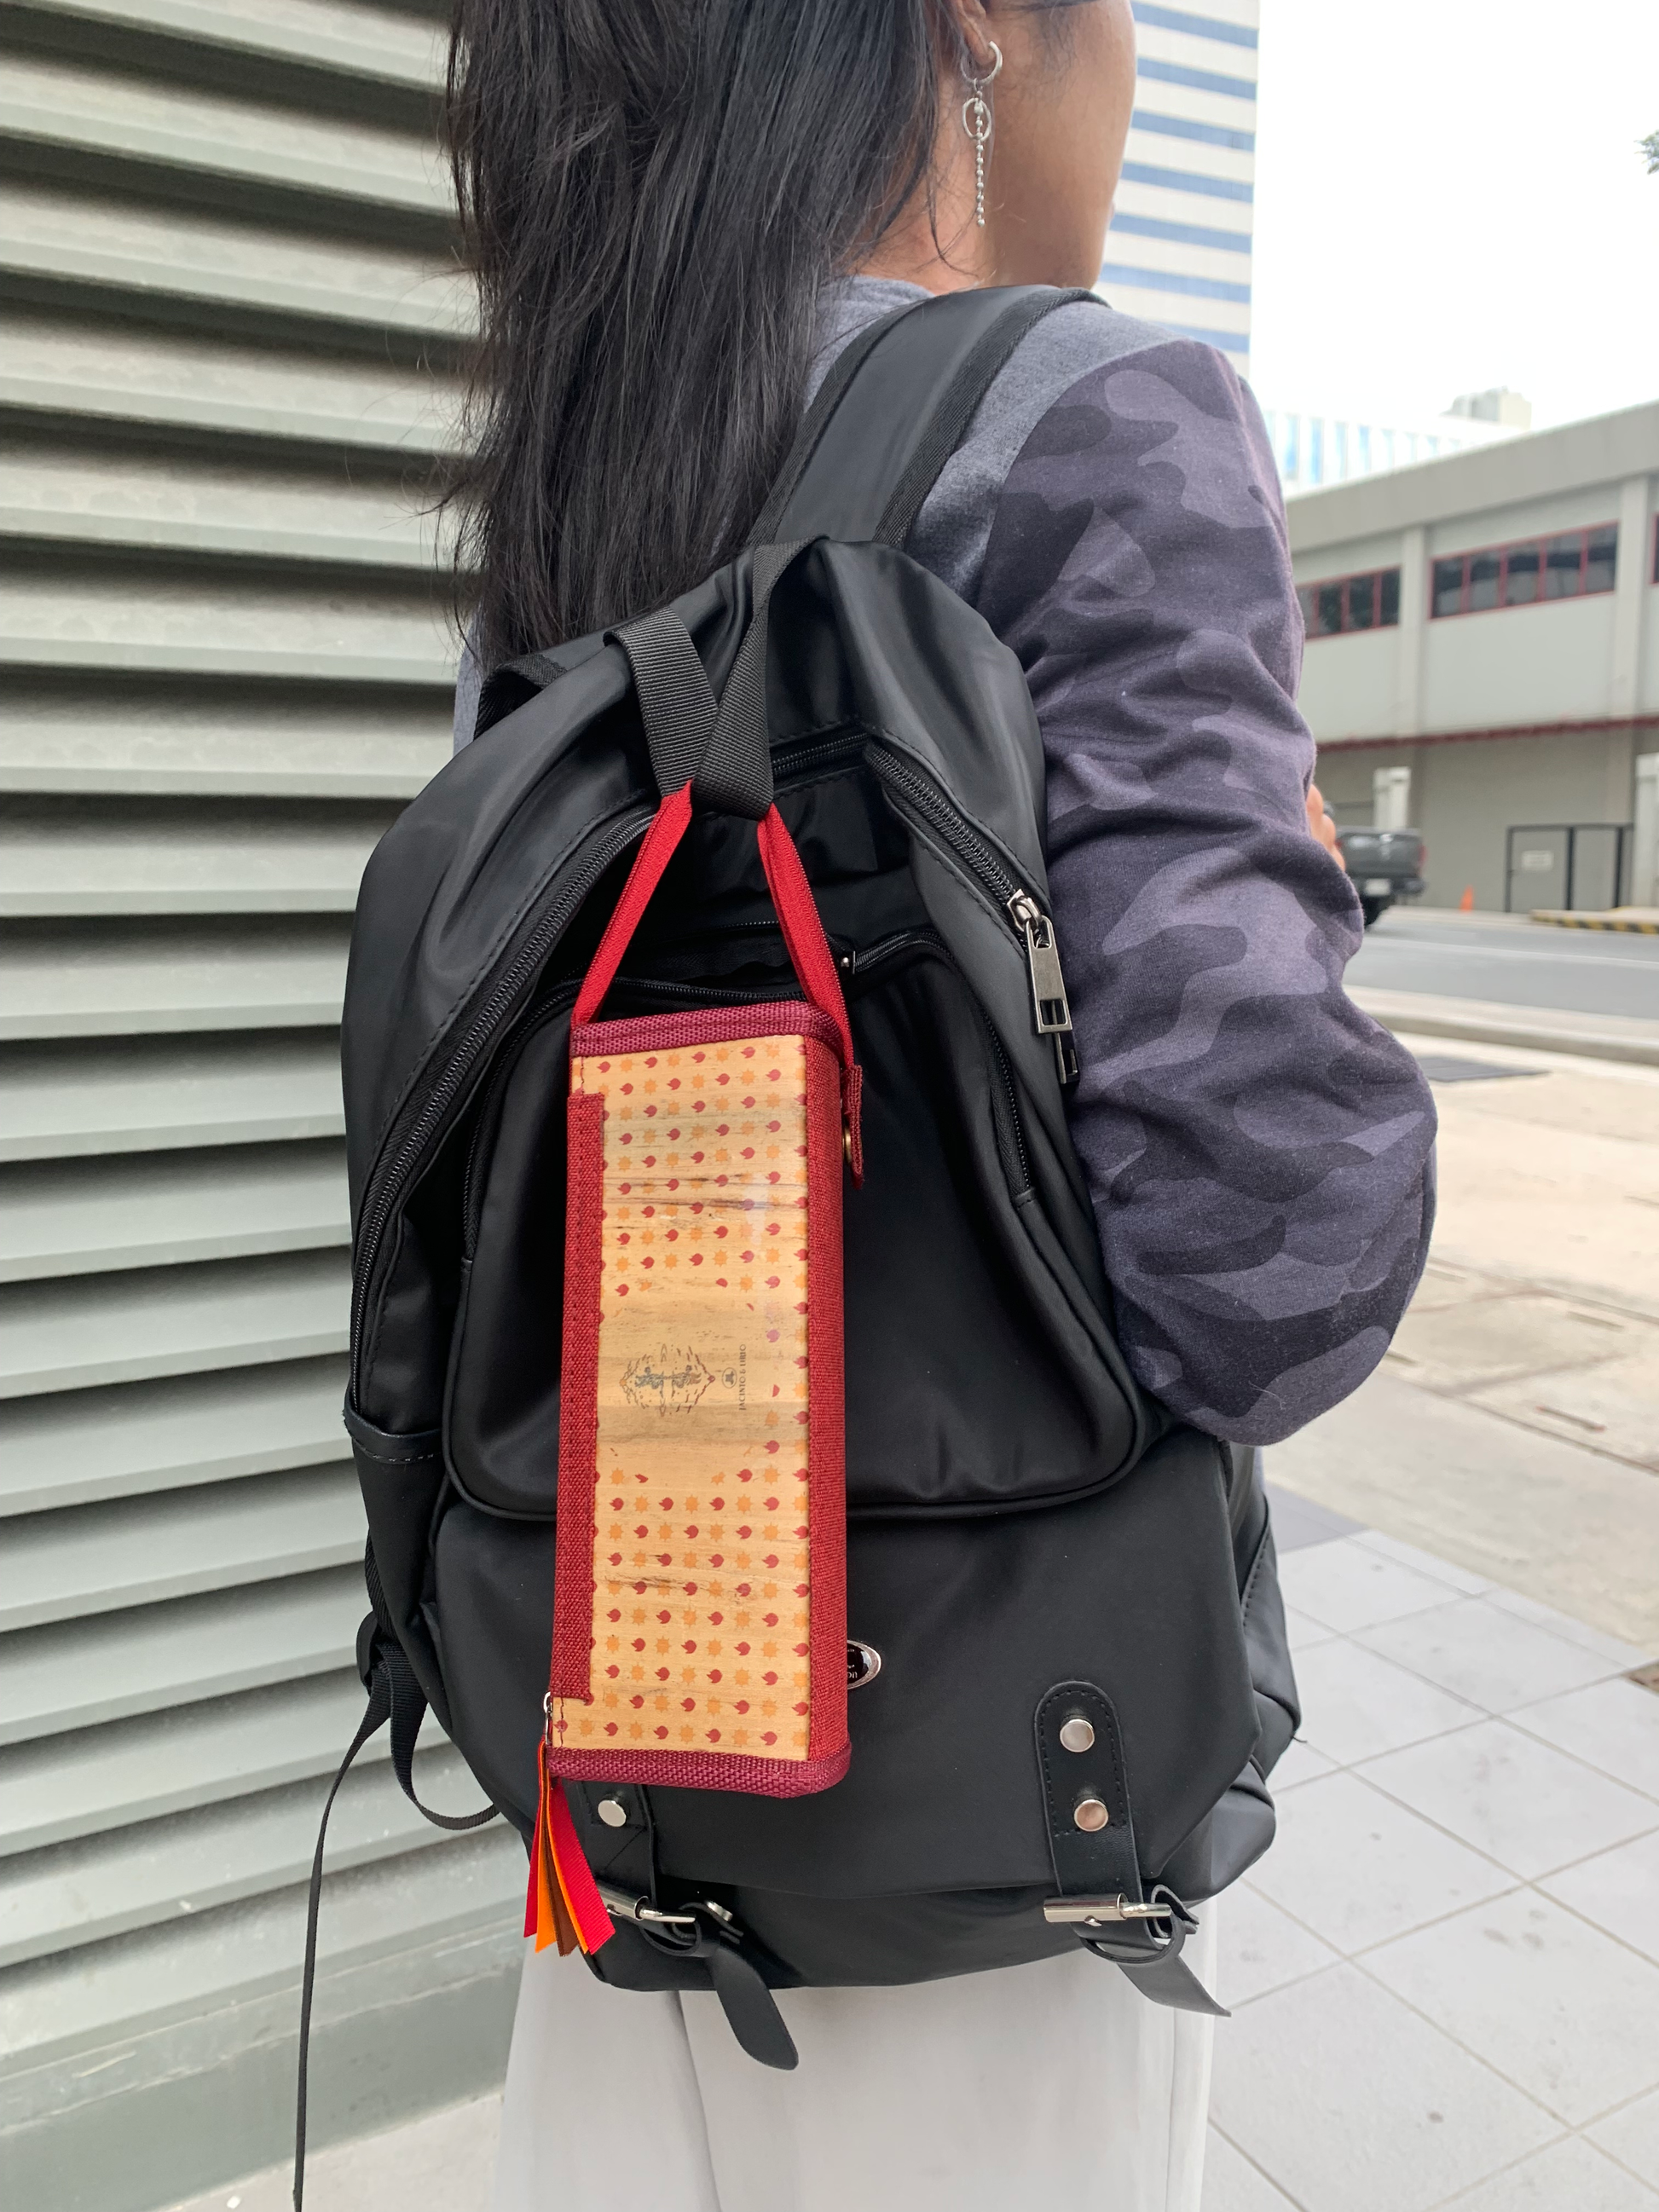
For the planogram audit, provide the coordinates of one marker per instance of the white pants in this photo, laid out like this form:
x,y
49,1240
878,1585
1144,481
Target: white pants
x,y
1052,2084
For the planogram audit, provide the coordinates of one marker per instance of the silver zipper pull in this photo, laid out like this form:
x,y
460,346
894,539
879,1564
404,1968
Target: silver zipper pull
x,y
1050,1005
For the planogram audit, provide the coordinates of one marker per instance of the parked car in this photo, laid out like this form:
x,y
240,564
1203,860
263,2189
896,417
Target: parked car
x,y
1386,864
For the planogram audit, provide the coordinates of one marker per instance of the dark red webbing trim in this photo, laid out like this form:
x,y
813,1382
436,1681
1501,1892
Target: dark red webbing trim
x,y
706,1770
578,1403
709,1025
826,1436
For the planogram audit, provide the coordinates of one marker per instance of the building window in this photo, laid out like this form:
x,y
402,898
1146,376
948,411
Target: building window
x,y
1564,567
1371,601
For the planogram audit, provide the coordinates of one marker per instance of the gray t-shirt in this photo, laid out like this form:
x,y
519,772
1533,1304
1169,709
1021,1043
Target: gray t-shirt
x,y
1260,1153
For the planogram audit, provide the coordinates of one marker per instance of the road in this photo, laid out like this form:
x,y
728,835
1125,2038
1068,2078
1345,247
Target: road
x,y
1513,962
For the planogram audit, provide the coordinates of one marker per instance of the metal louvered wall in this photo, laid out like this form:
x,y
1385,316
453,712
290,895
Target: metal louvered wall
x,y
229,318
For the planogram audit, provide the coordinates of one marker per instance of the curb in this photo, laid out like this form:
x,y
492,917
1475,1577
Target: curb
x,y
1483,1025
1639,921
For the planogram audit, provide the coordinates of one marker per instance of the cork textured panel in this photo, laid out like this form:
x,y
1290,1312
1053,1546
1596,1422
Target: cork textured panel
x,y
699,1637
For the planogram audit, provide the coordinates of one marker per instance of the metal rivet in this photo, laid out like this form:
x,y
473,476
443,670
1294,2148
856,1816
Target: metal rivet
x,y
1077,1734
1090,1815
613,1812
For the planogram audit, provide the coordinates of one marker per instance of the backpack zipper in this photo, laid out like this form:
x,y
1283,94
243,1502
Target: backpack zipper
x,y
1011,1139
409,1138
1051,1009
561,1000
1008,1121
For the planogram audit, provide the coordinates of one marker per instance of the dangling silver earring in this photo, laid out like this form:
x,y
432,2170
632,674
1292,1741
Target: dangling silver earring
x,y
976,121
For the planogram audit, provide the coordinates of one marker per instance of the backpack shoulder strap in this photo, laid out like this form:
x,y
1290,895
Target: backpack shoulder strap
x,y
893,410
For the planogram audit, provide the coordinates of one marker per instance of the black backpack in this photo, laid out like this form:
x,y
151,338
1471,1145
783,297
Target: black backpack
x,y
1068,1644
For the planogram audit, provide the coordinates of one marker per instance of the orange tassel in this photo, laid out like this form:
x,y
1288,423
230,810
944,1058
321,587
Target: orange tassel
x,y
553,1921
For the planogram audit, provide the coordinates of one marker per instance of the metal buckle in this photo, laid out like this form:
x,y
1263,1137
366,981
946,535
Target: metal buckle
x,y
1099,1911
638,1911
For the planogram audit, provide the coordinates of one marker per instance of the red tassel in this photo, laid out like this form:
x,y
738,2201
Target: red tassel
x,y
564,1904
593,1924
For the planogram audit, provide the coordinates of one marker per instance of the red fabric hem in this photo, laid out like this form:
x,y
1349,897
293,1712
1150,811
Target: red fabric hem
x,y
826,1436
706,1770
572,1669
707,1025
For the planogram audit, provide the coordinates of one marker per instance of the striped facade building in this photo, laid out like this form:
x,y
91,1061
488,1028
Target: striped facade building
x,y
1179,249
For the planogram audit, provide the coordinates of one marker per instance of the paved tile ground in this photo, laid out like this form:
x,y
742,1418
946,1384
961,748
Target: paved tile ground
x,y
1444,1976
1514,1423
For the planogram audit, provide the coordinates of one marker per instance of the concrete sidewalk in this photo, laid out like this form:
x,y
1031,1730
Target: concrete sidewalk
x,y
1444,1976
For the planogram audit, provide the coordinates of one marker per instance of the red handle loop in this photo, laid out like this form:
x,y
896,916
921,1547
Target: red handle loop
x,y
669,825
798,913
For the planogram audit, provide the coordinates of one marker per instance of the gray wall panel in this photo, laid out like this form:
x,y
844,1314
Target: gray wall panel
x,y
230,313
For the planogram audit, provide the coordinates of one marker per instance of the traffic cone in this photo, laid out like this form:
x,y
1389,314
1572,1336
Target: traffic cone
x,y
1466,904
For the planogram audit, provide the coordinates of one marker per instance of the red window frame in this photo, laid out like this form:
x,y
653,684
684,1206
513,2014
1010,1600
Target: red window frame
x,y
1308,595
1538,544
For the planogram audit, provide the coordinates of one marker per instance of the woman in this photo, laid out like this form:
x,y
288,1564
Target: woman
x,y
680,211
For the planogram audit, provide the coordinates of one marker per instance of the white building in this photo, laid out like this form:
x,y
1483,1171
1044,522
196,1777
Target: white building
x,y
1483,661
1179,249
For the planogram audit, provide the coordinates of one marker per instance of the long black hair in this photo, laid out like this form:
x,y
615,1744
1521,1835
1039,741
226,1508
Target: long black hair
x,y
652,193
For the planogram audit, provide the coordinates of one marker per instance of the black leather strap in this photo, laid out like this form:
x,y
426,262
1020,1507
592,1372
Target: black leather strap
x,y
1150,1954
1088,1862
899,414
751,2010
1096,1860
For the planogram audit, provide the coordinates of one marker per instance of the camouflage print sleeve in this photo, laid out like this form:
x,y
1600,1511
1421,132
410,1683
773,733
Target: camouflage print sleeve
x,y
1259,1151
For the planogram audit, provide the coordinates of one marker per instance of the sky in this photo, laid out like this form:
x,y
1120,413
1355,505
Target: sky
x,y
1450,197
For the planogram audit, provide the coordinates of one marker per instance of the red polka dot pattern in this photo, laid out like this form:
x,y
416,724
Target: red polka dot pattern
x,y
701,1575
